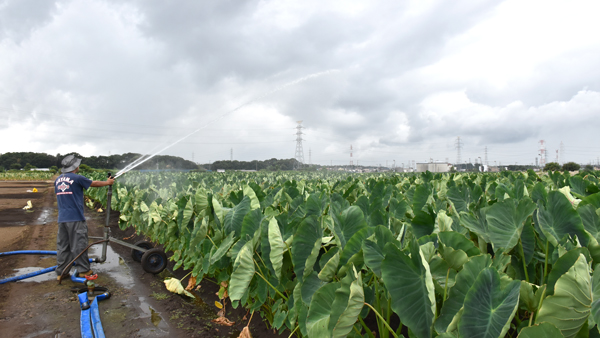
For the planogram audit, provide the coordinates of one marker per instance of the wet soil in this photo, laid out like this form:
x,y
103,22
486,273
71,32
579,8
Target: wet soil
x,y
140,306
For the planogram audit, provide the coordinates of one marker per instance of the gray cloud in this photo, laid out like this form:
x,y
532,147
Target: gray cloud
x,y
127,76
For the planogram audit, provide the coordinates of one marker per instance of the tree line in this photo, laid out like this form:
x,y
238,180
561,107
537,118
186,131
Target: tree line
x,y
271,165
28,160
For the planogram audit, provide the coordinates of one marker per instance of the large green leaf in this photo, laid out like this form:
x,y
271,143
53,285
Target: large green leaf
x,y
464,279
589,218
568,309
242,273
254,203
373,248
354,244
235,216
330,268
458,242
277,247
489,307
505,221
410,285
249,231
306,245
558,218
460,198
353,306
349,222
422,194
422,224
476,223
562,265
596,296
188,212
223,248
545,330
319,311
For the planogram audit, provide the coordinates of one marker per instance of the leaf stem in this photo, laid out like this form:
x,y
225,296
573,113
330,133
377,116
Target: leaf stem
x,y
384,322
523,258
263,277
291,334
446,286
540,304
186,275
545,264
362,322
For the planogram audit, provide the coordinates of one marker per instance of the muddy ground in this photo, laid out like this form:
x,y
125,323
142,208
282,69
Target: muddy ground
x,y
140,305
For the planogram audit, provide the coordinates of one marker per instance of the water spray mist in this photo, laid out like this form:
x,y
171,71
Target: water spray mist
x,y
147,157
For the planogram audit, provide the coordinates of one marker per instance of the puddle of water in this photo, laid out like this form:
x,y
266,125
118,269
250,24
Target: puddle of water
x,y
40,334
39,278
45,216
154,316
114,266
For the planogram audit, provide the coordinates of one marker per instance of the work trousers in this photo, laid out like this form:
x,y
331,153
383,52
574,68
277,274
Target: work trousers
x,y
71,240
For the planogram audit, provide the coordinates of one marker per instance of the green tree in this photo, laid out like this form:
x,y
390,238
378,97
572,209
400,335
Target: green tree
x,y
571,166
588,167
28,167
84,167
53,169
15,166
552,166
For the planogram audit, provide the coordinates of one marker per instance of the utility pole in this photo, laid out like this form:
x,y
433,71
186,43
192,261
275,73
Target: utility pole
x,y
193,157
351,161
309,156
299,151
458,145
562,153
231,155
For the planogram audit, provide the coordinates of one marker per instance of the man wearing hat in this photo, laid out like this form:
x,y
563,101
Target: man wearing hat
x,y
72,236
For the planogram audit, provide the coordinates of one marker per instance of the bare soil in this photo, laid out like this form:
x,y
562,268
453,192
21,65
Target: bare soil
x,y
140,306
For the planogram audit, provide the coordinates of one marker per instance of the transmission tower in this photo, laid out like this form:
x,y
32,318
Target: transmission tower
x,y
231,155
542,153
562,153
486,159
299,151
351,161
309,156
458,145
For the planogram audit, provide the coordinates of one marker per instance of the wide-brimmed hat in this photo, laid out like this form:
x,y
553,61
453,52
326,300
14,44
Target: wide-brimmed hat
x,y
70,163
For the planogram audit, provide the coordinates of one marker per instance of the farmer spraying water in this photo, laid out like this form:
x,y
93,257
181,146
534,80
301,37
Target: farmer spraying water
x,y
72,236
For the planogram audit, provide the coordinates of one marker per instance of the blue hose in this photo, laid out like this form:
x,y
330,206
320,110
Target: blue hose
x,y
76,279
28,275
84,320
28,252
91,313
96,324
36,273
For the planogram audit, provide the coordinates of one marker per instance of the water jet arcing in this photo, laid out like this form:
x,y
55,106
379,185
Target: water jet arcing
x,y
147,157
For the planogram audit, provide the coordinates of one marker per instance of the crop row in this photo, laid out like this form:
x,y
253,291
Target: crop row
x,y
479,255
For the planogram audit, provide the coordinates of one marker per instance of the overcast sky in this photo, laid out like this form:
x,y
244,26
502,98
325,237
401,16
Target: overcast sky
x,y
396,80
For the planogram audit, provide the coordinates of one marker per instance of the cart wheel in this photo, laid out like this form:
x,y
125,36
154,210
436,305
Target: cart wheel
x,y
154,261
137,254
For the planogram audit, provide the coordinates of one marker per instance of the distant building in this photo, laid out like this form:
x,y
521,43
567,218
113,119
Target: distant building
x,y
434,167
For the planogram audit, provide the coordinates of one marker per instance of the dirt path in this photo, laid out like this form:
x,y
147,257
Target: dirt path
x,y
140,305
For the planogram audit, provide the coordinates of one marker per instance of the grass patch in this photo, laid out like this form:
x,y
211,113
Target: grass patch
x,y
159,296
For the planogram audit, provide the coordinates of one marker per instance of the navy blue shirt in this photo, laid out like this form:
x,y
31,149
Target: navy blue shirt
x,y
69,195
